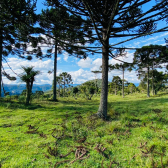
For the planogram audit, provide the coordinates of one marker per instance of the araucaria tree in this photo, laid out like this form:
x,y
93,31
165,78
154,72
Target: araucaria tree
x,y
16,22
116,84
66,79
122,67
62,30
149,57
113,19
28,76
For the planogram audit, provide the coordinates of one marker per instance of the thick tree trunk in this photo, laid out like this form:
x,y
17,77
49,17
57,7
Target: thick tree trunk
x,y
102,111
148,95
0,62
123,83
55,73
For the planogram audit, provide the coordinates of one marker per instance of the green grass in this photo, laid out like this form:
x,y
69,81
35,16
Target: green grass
x,y
35,136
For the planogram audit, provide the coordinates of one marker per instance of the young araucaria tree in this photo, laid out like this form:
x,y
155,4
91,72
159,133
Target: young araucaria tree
x,y
28,76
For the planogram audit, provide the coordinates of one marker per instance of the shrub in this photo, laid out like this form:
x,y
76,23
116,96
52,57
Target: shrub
x,y
15,97
22,98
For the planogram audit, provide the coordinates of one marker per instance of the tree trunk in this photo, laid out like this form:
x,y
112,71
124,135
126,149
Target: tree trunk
x,y
123,83
64,86
148,95
27,93
115,89
153,92
0,62
55,73
102,111
59,89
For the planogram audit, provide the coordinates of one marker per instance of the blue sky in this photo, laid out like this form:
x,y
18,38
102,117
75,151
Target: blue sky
x,y
81,69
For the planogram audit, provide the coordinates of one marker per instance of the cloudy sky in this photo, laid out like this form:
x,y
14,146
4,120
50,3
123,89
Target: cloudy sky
x,y
81,69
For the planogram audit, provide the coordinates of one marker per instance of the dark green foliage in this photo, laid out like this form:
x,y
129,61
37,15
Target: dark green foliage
x,y
92,90
75,90
17,18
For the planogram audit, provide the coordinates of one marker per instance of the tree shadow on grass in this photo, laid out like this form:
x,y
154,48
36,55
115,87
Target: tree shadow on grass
x,y
138,108
14,105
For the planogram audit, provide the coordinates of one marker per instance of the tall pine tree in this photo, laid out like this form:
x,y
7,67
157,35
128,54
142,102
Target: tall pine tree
x,y
63,30
16,22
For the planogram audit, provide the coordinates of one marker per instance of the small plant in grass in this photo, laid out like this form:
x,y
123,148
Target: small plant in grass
x,y
8,97
52,151
111,111
147,134
8,105
110,128
100,132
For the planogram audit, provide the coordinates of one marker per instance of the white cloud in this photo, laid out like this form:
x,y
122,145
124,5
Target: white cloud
x,y
85,63
42,66
78,75
81,76
66,55
128,58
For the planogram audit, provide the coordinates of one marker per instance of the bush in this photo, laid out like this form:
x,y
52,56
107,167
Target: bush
x,y
15,97
7,97
22,99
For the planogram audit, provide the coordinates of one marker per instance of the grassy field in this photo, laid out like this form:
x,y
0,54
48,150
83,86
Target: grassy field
x,y
66,133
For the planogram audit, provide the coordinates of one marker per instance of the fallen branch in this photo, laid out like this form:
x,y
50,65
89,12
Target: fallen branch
x,y
32,131
142,145
101,151
77,158
85,157
56,164
132,158
62,156
113,162
43,135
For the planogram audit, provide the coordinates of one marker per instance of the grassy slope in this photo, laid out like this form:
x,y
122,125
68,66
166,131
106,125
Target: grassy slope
x,y
135,135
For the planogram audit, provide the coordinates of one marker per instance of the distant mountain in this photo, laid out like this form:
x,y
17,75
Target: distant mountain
x,y
17,89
